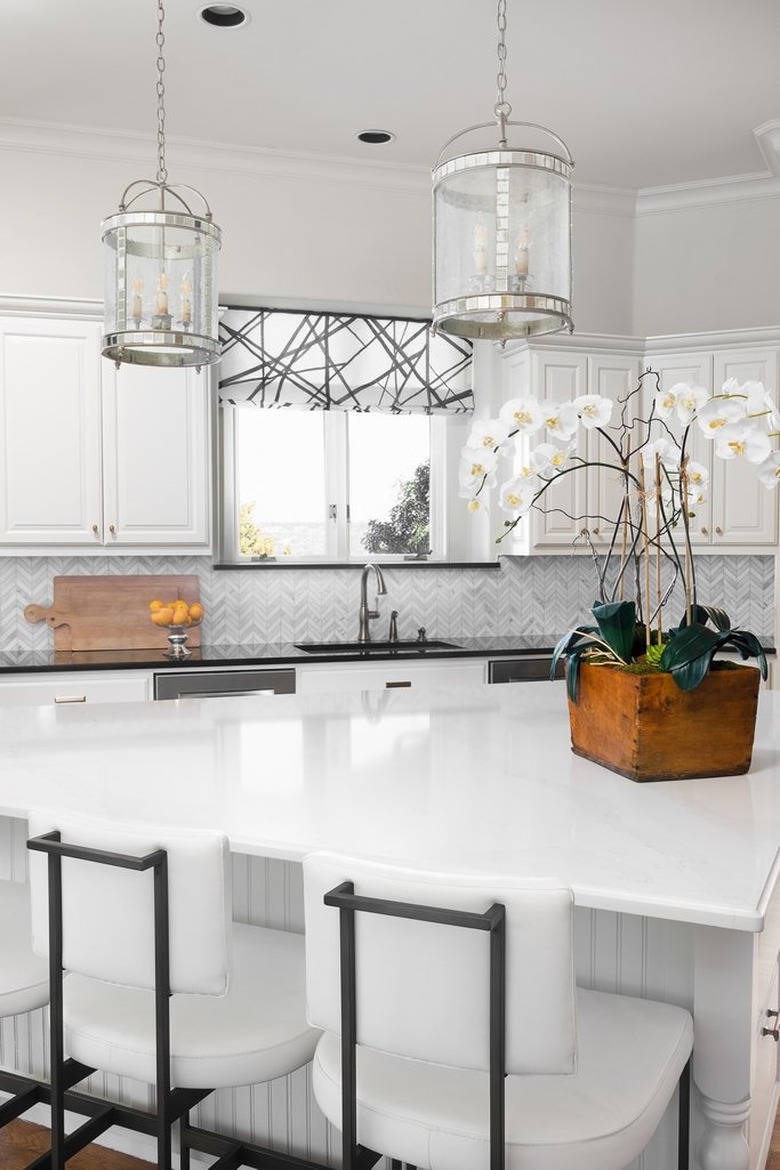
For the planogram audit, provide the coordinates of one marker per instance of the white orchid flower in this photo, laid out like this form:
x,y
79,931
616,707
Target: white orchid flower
x,y
488,432
760,404
721,412
666,400
690,400
522,414
769,471
560,419
516,496
477,466
594,410
667,451
743,440
548,459
698,481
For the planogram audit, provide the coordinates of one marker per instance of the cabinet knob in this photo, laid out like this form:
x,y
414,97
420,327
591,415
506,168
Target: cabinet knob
x,y
719,532
596,531
95,529
112,529
773,1032
703,531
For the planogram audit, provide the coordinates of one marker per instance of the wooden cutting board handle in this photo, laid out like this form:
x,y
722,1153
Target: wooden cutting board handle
x,y
40,613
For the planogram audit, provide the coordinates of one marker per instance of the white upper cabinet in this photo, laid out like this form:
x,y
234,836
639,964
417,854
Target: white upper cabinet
x,y
588,498
739,511
50,435
95,458
155,456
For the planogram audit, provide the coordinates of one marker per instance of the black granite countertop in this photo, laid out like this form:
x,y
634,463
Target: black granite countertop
x,y
270,654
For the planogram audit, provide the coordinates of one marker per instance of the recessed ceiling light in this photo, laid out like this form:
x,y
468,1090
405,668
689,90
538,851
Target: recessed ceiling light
x,y
223,16
377,137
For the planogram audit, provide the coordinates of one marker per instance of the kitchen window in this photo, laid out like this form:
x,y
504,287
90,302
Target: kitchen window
x,y
319,485
340,439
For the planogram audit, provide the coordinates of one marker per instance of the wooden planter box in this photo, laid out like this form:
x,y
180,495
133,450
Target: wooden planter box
x,y
644,727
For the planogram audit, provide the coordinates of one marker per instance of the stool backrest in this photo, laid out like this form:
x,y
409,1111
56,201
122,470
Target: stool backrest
x,y
108,913
422,988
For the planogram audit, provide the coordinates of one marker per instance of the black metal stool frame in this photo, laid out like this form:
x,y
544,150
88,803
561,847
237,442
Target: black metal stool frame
x,y
343,897
172,1104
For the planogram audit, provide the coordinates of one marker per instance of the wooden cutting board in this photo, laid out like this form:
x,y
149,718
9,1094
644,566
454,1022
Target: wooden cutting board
x,y
111,613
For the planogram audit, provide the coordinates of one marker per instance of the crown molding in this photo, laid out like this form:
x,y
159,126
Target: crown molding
x,y
707,193
65,308
139,150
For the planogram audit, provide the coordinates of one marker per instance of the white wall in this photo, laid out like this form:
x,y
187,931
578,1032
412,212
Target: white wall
x,y
711,267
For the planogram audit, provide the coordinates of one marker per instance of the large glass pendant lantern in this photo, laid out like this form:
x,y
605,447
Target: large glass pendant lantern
x,y
502,230
161,292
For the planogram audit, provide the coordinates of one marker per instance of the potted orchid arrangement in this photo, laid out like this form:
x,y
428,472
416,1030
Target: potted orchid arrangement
x,y
648,559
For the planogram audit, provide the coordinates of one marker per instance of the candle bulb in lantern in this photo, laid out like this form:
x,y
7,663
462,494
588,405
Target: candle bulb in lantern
x,y
521,253
162,294
480,249
138,310
186,304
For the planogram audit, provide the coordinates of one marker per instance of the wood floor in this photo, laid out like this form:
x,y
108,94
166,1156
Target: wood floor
x,y
21,1141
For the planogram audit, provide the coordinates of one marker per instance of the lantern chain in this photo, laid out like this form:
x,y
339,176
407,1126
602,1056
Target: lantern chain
x,y
502,107
162,172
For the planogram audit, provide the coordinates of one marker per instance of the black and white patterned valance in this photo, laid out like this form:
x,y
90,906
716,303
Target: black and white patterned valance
x,y
333,361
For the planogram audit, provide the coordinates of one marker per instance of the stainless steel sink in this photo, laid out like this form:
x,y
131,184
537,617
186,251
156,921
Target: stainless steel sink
x,y
373,647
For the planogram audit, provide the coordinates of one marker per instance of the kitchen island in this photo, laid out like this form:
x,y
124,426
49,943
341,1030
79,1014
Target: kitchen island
x,y
674,883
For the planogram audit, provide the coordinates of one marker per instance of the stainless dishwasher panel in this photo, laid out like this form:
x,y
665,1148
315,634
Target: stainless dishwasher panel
x,y
211,684
527,669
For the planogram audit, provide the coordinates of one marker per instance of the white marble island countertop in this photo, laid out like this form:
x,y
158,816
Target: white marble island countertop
x,y
467,778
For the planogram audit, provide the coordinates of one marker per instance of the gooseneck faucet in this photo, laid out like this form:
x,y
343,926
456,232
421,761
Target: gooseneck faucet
x,y
365,614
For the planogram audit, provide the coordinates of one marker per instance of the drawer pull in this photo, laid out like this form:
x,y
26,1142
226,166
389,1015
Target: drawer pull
x,y
70,698
773,1032
389,685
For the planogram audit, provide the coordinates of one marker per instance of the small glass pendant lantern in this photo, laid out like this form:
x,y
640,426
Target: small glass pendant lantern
x,y
161,297
502,232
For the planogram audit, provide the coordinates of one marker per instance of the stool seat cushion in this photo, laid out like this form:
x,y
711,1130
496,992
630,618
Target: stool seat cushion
x,y
24,976
631,1053
256,1032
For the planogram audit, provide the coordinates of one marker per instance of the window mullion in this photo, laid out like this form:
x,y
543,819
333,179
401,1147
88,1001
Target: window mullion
x,y
337,483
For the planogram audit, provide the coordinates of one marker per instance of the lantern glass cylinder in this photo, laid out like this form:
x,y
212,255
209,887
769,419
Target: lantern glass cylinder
x,y
161,288
502,244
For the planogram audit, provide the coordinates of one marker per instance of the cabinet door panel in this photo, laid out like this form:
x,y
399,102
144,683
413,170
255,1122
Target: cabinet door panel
x,y
695,369
387,676
744,512
563,508
155,456
50,434
615,378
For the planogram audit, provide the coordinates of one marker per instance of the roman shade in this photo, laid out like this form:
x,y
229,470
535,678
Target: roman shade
x,y
275,358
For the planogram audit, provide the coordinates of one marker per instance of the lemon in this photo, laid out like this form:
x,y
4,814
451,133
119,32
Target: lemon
x,y
156,604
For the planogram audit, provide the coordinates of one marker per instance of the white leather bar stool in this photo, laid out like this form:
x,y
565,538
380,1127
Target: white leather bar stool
x,y
24,987
161,985
455,1037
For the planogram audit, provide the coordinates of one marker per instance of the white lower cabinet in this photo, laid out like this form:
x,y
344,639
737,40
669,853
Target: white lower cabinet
x,y
355,676
60,688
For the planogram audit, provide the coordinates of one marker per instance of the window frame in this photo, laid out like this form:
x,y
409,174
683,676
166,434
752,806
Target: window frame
x,y
448,530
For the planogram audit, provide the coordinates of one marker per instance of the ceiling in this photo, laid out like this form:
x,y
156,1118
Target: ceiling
x,y
645,93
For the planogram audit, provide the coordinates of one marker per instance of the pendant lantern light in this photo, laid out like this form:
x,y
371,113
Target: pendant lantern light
x,y
502,230
161,265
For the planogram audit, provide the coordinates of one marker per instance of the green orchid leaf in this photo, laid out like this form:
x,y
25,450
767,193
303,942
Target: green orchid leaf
x,y
748,646
719,618
617,625
565,645
690,674
573,666
702,614
688,654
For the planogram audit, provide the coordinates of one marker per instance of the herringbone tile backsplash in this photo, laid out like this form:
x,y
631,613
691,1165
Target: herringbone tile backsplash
x,y
534,595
